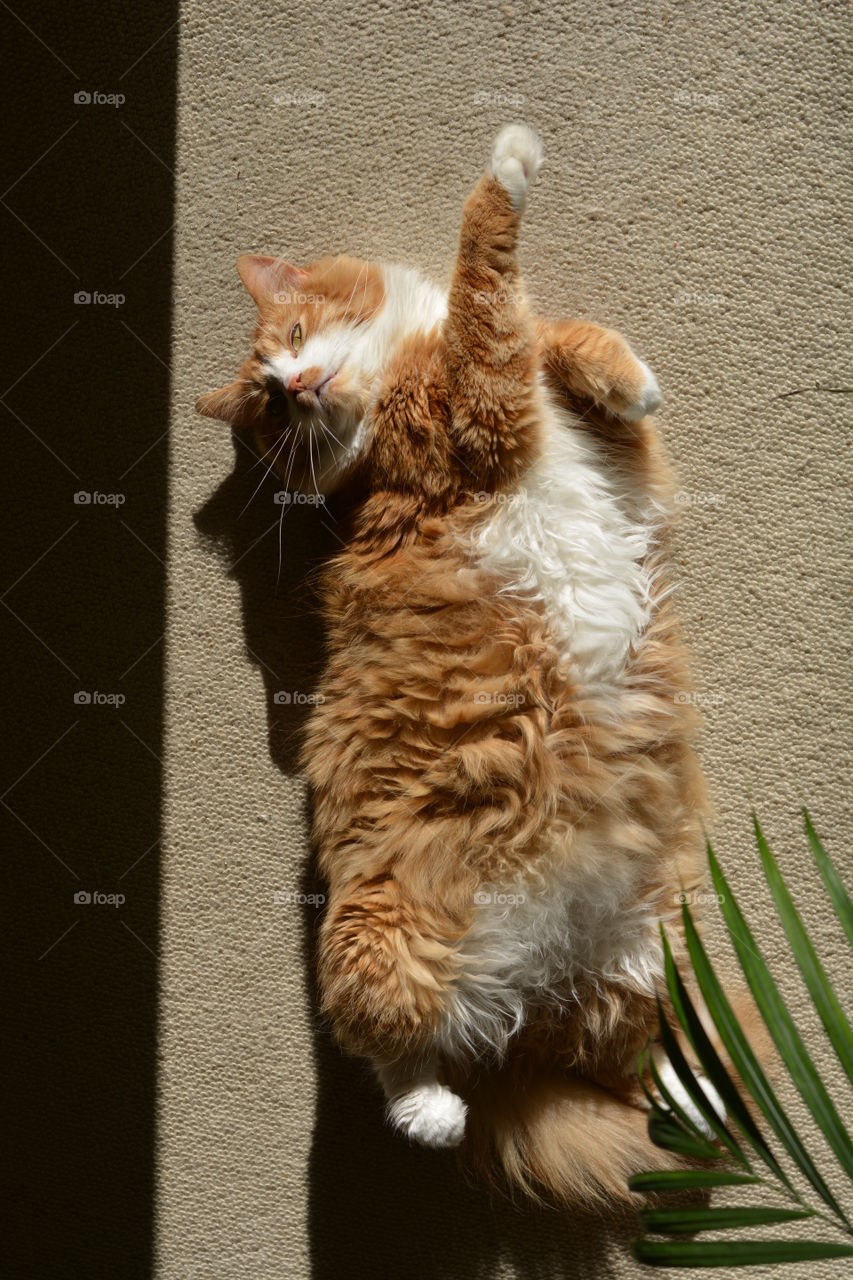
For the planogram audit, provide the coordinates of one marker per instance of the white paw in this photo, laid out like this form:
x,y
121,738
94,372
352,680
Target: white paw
x,y
516,160
430,1114
649,399
682,1097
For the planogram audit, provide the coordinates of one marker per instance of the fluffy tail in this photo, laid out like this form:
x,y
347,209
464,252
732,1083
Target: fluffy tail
x,y
559,1139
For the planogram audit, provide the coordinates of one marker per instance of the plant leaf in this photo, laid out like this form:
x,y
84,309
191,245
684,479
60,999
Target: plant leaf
x,y
736,1253
688,1179
779,1022
666,1132
748,1068
820,989
683,1070
712,1063
675,1108
832,880
683,1222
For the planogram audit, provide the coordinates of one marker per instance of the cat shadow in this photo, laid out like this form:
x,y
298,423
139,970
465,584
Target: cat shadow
x,y
274,551
377,1207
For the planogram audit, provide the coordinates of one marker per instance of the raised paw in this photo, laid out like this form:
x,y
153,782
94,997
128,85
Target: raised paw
x,y
648,397
429,1114
516,160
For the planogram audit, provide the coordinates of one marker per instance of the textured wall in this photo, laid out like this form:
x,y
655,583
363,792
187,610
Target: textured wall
x,y
694,195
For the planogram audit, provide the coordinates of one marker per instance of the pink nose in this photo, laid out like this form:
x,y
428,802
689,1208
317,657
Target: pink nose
x,y
295,383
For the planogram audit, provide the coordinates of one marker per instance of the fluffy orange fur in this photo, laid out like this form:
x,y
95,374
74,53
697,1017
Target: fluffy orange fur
x,y
454,747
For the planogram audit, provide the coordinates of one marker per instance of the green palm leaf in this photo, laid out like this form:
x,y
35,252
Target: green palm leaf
x,y
779,1022
685,1222
822,993
678,1132
665,1131
832,880
688,1180
736,1253
685,1074
747,1066
711,1062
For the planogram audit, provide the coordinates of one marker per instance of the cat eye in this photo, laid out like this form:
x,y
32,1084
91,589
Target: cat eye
x,y
296,337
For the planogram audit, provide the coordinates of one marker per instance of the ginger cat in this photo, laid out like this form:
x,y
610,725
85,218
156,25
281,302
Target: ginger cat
x,y
506,800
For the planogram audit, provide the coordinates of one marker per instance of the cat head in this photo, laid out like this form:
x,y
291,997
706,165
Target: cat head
x,y
323,336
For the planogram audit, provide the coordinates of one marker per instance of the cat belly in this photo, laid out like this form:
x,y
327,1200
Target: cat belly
x,y
544,942
565,540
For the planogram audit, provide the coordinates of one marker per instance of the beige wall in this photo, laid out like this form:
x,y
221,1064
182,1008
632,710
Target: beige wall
x,y
694,195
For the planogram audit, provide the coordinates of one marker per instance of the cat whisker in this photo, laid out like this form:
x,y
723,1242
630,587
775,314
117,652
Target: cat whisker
x,y
360,312
355,286
275,442
328,431
291,458
280,549
311,456
268,471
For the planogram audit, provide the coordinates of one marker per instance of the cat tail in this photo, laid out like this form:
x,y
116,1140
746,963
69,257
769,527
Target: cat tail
x,y
558,1139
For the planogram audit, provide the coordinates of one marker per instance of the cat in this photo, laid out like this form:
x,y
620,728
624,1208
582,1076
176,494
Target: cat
x,y
507,802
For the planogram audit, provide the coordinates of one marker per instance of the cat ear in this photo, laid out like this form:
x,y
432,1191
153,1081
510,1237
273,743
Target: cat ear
x,y
224,404
265,278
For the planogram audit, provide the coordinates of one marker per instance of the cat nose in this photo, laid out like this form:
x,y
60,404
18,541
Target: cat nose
x,y
307,379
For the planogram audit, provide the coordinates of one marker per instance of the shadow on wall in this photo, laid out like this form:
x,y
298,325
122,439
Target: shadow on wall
x,y
86,216
378,1207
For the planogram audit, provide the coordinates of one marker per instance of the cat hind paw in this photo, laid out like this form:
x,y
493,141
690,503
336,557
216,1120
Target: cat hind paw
x,y
430,1114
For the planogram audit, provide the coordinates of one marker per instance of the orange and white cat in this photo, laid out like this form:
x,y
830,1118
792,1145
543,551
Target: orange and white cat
x,y
506,801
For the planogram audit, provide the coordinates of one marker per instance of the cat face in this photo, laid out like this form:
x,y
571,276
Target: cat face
x,y
321,341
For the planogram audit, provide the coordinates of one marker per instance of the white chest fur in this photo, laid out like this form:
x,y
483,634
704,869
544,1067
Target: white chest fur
x,y
565,538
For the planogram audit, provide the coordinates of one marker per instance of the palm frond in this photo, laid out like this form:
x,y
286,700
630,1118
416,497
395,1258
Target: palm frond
x,y
736,1253
823,995
671,1127
832,880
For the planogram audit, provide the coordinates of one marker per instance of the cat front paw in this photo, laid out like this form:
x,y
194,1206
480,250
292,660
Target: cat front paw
x,y
516,160
647,400
429,1114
